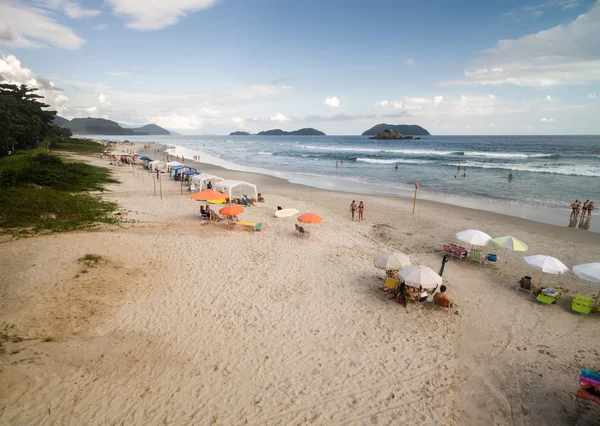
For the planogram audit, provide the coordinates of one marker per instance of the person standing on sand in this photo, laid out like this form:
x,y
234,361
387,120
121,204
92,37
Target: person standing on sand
x,y
361,211
352,209
585,207
590,209
574,210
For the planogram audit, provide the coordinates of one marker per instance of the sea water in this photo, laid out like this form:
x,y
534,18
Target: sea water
x,y
549,172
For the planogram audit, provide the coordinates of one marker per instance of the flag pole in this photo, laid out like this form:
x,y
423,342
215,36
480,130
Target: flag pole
x,y
415,198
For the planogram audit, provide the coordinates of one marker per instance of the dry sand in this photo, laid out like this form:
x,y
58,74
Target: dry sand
x,y
187,324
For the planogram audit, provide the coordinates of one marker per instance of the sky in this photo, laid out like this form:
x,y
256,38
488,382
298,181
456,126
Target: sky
x,y
341,66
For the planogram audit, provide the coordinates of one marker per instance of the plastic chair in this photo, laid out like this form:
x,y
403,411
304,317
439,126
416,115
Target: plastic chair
x,y
582,304
390,287
447,249
525,285
541,297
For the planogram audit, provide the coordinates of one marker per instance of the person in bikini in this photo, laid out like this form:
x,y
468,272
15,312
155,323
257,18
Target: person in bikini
x,y
575,210
361,211
352,209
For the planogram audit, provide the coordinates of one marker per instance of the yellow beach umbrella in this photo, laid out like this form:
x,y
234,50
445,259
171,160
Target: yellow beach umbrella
x,y
510,243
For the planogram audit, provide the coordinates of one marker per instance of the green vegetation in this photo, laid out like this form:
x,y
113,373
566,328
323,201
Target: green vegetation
x,y
24,121
78,146
48,339
38,189
90,259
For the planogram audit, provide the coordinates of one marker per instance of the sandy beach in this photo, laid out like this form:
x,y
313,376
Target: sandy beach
x,y
182,324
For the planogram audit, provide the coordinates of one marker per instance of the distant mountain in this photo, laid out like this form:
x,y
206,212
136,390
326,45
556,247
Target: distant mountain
x,y
405,129
302,132
151,129
100,126
239,134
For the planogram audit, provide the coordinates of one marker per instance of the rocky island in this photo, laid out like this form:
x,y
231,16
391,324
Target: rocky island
x,y
401,129
278,132
388,134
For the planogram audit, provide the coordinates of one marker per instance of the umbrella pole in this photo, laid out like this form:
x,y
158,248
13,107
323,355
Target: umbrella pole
x,y
541,276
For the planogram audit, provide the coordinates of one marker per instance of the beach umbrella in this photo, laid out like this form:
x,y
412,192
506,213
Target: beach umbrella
x,y
232,210
120,154
309,218
547,264
474,237
416,276
589,272
510,243
144,158
208,195
391,261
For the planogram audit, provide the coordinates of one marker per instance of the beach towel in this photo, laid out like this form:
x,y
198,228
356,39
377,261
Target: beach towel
x,y
549,292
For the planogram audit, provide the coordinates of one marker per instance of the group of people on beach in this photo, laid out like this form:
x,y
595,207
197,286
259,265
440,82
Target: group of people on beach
x,y
360,208
577,208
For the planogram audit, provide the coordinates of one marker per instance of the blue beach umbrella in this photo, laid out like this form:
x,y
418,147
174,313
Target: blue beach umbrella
x,y
144,158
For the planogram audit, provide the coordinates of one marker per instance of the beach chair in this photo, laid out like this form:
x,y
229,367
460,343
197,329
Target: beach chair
x,y
590,386
447,249
548,300
525,285
453,248
297,227
475,256
303,232
458,252
390,287
582,304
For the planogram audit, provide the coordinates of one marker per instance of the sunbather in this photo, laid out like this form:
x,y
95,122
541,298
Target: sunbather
x,y
442,299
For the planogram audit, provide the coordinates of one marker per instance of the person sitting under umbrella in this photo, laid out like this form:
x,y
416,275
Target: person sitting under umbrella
x,y
442,299
212,215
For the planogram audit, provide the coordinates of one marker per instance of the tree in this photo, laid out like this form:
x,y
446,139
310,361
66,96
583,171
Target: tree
x,y
23,120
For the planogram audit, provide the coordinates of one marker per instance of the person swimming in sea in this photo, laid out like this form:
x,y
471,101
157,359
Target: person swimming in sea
x,y
396,166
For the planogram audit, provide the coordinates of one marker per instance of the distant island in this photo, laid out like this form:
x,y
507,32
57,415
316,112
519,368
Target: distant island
x,y
278,132
402,129
101,126
388,134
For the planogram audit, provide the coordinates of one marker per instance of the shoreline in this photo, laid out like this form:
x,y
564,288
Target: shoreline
x,y
423,202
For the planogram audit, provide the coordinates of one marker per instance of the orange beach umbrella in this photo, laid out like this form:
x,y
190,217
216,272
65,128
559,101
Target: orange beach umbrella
x,y
208,195
232,210
310,218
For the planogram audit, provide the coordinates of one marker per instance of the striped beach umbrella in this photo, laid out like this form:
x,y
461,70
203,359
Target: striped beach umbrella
x,y
510,243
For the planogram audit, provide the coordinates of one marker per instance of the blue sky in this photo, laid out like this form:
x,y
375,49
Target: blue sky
x,y
215,66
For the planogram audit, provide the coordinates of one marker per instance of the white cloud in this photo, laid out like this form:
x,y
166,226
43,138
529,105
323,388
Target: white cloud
x,y
333,102
547,120
410,62
175,121
279,118
383,103
104,99
12,72
591,95
71,8
100,27
30,27
156,14
438,100
549,98
397,104
239,121
564,54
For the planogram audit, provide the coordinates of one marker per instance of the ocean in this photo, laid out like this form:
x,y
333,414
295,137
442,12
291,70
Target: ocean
x,y
549,172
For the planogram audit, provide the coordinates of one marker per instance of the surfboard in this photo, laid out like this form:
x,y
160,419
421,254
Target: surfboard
x,y
286,212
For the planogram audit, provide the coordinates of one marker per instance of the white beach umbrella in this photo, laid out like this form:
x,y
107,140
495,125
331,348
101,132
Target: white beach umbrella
x,y
416,276
548,264
474,237
589,272
391,261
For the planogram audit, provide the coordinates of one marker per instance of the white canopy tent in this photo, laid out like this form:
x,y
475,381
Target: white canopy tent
x,y
203,178
174,163
157,164
227,186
